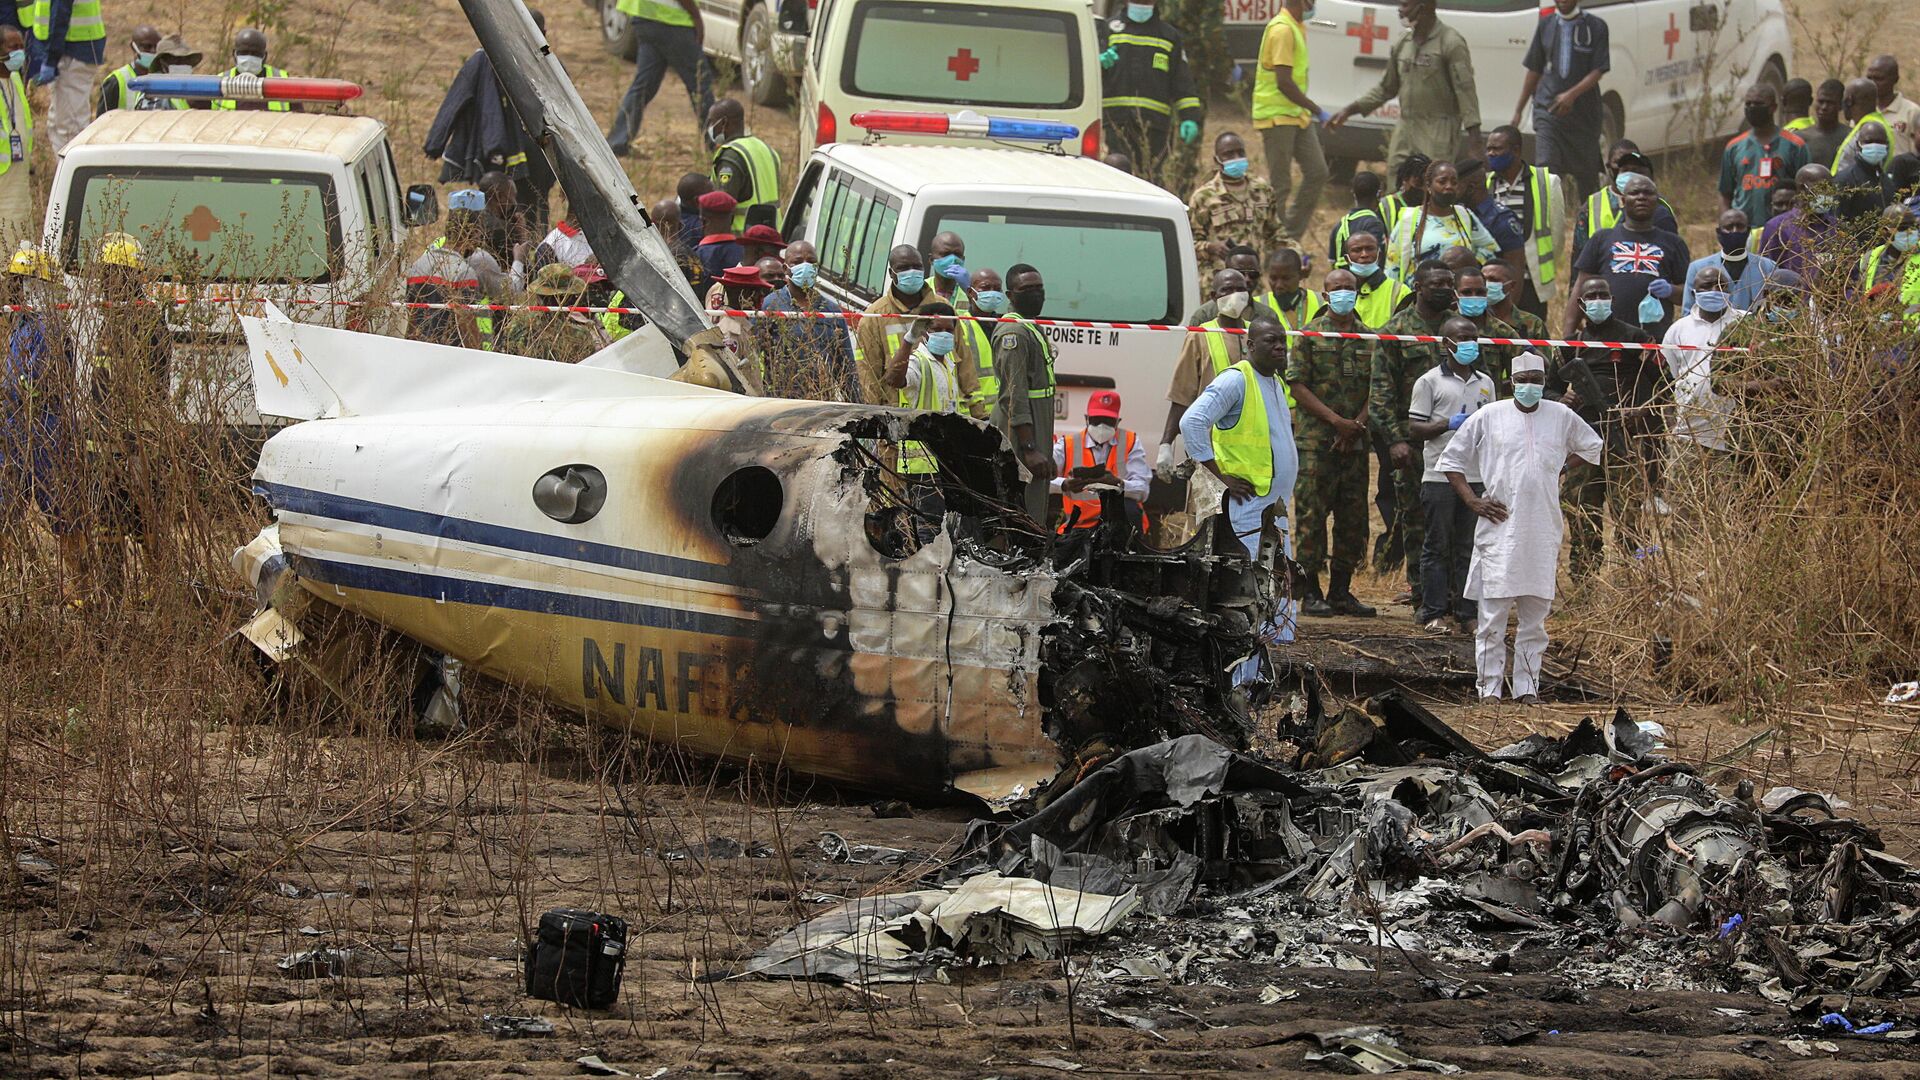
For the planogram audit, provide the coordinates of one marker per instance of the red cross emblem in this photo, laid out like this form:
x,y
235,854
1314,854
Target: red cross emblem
x,y
1672,36
1367,31
963,64
202,224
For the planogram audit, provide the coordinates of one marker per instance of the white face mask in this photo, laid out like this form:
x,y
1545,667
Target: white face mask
x,y
1234,304
249,65
179,69
1100,433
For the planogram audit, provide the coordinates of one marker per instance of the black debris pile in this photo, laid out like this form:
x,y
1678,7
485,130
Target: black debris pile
x,y
1391,834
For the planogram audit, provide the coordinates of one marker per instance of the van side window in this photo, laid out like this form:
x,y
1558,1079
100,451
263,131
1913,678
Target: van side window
x,y
858,228
819,41
368,215
383,201
800,208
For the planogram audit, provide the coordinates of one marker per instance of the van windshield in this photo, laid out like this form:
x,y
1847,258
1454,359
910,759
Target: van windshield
x,y
1097,266
208,225
959,55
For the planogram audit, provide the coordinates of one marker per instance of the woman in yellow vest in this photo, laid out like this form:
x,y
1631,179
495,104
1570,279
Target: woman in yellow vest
x,y
19,213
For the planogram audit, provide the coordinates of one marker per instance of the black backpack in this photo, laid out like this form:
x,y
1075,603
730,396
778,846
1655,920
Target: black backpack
x,y
576,957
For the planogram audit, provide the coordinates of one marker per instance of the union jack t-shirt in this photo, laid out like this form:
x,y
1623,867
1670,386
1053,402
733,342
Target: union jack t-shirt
x,y
1630,261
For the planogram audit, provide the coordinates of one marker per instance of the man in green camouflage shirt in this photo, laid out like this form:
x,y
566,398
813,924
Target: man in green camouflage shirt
x,y
1471,299
1231,208
1331,379
1395,367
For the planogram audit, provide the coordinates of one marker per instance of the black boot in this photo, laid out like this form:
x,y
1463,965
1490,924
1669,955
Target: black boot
x,y
1312,601
1340,598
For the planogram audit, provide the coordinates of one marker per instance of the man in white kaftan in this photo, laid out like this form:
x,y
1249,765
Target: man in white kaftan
x,y
1518,447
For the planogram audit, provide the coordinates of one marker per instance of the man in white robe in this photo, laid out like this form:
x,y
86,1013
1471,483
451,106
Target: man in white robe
x,y
1519,448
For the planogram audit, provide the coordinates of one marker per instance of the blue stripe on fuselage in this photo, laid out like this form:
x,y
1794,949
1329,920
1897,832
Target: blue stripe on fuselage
x,y
362,512
518,598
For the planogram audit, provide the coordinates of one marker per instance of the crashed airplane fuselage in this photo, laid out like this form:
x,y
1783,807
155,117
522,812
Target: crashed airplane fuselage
x,y
737,576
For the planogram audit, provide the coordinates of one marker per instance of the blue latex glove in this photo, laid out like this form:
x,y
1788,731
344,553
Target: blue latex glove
x,y
49,71
1650,309
958,275
1321,117
1660,288
1189,131
1109,58
1454,421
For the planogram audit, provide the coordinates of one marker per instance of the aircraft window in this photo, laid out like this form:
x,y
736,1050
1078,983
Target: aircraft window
x,y
571,494
747,505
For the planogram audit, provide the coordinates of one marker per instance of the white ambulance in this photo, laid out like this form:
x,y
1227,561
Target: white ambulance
x,y
303,209
1677,65
1112,248
1035,59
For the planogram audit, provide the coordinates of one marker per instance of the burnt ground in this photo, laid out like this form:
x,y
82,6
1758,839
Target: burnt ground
x,y
425,861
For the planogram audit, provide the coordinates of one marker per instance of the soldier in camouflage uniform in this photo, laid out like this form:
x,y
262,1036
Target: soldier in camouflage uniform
x,y
1331,379
1231,208
1503,287
1395,366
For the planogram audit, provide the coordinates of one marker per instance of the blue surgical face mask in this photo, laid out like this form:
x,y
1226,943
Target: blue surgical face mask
x,y
1500,162
1650,310
991,301
1597,310
909,282
1342,301
1712,301
1235,169
1620,182
1473,306
1139,12
1363,271
945,263
803,274
1528,394
940,342
1824,204
16,59
1784,313
1467,352
1496,292
1906,240
145,59
1873,153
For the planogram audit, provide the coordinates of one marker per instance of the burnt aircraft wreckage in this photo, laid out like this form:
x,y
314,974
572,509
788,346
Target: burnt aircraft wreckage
x,y
739,576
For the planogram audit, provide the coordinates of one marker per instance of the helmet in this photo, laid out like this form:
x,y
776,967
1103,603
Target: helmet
x,y
120,249
30,261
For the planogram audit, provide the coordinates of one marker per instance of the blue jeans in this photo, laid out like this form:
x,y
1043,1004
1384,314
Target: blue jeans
x,y
660,47
1447,553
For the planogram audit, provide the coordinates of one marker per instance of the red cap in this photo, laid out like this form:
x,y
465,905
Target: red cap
x,y
743,275
1105,403
763,234
718,202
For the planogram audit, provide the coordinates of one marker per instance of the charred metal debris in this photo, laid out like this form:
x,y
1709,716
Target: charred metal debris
x,y
1586,855
1145,640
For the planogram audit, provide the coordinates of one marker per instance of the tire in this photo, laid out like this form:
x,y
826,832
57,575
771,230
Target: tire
x,y
764,85
616,30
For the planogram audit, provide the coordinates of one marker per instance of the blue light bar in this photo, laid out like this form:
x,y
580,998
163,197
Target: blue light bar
x,y
1001,127
245,88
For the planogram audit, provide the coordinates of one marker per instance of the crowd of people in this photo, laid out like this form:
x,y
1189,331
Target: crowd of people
x,y
1466,448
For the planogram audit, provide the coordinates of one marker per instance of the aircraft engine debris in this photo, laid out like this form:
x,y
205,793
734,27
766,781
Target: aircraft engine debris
x,y
1623,868
739,576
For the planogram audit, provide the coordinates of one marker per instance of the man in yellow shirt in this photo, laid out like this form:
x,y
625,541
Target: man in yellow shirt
x,y
1288,120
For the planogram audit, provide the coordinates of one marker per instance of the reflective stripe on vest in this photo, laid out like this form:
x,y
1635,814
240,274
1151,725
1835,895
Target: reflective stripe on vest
x,y
1268,102
666,14
268,72
976,336
1375,306
1076,453
1391,208
1217,348
1602,211
126,97
1148,104
25,121
1345,229
1538,196
483,322
1909,281
763,175
1046,350
915,458
1246,449
85,24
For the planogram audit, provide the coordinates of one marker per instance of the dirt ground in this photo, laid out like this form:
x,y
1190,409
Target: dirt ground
x,y
428,861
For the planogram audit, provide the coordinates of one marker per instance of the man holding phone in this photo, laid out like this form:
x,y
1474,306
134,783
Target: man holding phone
x,y
1102,454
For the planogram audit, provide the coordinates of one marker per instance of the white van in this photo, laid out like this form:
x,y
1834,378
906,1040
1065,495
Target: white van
x,y
303,209
767,39
1111,247
1678,66
1037,59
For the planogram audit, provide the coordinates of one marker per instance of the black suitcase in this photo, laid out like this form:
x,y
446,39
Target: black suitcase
x,y
576,957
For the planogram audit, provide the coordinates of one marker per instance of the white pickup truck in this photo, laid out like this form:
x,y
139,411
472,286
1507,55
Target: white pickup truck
x,y
766,38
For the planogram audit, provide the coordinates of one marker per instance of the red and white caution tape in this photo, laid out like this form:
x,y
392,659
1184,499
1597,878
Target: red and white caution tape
x,y
854,316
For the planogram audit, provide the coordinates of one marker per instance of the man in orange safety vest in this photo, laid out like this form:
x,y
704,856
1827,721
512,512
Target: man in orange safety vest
x,y
1101,454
